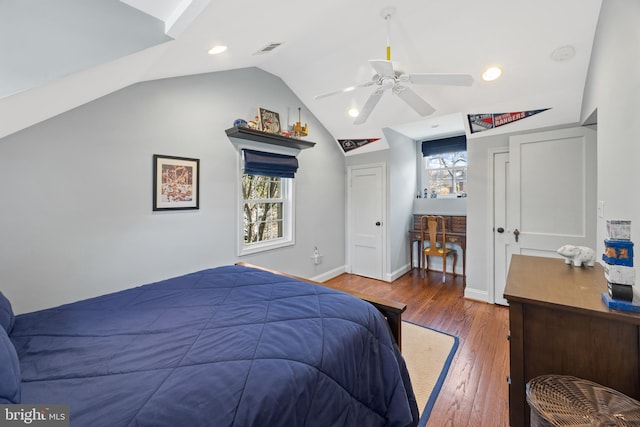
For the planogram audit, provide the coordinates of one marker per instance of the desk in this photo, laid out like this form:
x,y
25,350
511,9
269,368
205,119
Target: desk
x,y
558,324
456,228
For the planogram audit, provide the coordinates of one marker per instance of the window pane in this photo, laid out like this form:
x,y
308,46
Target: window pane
x,y
263,221
263,215
446,160
445,174
433,162
260,187
440,182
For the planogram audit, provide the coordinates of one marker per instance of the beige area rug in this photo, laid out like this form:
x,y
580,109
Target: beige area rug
x,y
428,354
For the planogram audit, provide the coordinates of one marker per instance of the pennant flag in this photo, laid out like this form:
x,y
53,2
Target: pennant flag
x,y
350,144
486,121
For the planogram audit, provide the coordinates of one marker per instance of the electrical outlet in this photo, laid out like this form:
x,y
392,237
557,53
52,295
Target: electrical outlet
x,y
316,258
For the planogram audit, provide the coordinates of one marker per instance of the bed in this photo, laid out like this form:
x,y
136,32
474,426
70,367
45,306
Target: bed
x,y
227,346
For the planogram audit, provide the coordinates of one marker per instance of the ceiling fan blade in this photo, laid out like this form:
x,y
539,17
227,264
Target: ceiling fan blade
x,y
383,68
438,79
414,101
346,89
368,107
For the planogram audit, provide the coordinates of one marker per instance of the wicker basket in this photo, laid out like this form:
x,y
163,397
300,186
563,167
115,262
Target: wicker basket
x,y
559,400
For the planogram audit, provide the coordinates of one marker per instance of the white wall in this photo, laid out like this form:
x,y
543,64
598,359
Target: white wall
x,y
440,206
613,89
479,213
76,218
403,188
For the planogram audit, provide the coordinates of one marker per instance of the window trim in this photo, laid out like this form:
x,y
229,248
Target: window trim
x,y
288,195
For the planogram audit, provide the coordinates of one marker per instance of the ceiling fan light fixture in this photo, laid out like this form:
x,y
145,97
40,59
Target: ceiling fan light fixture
x,y
217,49
491,73
354,112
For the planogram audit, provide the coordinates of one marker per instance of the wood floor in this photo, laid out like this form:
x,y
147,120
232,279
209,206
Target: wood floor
x,y
475,392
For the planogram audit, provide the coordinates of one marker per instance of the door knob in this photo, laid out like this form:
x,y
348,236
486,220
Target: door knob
x,y
378,223
500,230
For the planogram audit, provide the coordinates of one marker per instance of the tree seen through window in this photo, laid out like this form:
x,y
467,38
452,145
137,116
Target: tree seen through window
x,y
445,173
263,207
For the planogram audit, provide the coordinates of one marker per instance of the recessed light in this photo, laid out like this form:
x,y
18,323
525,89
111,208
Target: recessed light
x,y
217,49
354,112
491,73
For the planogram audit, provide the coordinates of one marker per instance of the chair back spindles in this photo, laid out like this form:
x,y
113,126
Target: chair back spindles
x,y
433,226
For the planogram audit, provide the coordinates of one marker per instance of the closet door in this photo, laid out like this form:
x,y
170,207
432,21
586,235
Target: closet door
x,y
366,197
553,191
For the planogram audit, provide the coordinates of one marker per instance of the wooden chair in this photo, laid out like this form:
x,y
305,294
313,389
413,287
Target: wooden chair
x,y
433,231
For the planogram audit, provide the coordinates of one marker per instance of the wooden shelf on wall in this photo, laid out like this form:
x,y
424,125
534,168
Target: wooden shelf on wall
x,y
268,138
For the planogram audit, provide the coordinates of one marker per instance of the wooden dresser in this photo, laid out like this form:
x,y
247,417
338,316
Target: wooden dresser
x,y
559,325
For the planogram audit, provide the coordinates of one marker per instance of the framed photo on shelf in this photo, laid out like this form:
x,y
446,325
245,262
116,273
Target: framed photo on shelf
x,y
269,121
176,183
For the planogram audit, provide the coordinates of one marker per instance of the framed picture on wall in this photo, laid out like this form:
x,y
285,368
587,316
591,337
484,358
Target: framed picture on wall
x,y
269,121
176,183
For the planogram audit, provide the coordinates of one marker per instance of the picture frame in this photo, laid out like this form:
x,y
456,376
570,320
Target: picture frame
x,y
269,121
176,183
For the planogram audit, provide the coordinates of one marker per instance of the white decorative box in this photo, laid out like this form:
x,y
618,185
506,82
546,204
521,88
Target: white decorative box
x,y
618,229
620,274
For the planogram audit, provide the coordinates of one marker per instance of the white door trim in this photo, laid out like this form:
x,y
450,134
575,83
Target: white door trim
x,y
491,279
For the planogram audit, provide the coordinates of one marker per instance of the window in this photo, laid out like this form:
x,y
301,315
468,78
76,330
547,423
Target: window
x,y
444,167
445,175
267,213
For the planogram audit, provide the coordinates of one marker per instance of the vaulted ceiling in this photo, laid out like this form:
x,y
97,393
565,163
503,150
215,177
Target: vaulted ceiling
x,y
57,55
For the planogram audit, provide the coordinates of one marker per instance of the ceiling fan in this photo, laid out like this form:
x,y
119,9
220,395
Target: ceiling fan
x,y
386,77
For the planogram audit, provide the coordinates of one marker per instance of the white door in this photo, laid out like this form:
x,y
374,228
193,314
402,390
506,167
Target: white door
x,y
551,198
365,220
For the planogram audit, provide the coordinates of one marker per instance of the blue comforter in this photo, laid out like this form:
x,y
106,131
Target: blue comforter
x,y
229,346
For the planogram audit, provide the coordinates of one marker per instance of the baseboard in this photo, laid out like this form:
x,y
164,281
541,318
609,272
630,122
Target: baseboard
x,y
476,294
329,274
398,273
343,269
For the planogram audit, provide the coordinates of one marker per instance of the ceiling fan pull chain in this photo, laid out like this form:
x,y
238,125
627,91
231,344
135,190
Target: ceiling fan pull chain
x,y
388,19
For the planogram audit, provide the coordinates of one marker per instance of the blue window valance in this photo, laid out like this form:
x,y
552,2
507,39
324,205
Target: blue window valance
x,y
269,164
444,145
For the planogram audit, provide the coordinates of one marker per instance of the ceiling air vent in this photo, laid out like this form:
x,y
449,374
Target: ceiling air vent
x,y
268,48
